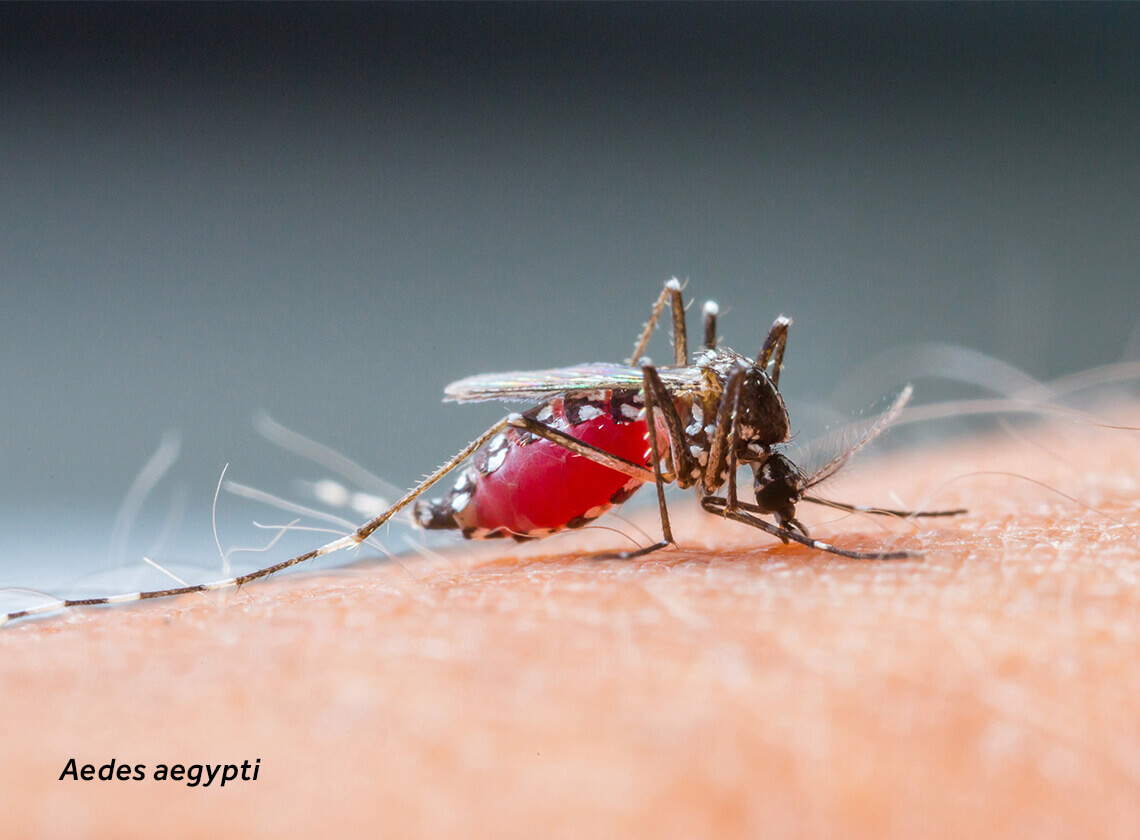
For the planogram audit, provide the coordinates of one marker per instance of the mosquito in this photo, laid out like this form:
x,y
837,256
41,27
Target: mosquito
x,y
599,432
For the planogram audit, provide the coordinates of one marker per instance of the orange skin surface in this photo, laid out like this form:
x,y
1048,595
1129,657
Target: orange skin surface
x,y
733,688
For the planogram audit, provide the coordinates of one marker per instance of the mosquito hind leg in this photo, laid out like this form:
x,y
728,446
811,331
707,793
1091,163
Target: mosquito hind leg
x,y
878,511
614,462
657,398
717,505
670,294
686,468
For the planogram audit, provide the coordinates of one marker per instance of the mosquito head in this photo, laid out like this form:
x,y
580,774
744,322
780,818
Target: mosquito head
x,y
779,486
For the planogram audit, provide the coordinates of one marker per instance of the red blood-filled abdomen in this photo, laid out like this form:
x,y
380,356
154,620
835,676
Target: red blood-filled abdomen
x,y
525,486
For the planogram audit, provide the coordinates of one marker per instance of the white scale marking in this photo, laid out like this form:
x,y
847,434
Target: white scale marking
x,y
496,460
458,503
134,596
589,412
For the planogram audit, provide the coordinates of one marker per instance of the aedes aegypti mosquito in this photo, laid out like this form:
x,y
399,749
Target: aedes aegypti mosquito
x,y
587,446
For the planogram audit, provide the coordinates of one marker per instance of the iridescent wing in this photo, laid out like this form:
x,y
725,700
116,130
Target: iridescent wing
x,y
538,385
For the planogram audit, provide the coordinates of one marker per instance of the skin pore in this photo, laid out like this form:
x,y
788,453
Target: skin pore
x,y
734,688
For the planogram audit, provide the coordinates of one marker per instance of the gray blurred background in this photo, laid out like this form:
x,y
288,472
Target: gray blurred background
x,y
328,213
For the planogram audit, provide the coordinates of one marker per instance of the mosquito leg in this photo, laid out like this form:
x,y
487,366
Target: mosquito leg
x,y
901,514
773,349
655,395
352,540
686,467
579,447
657,398
716,505
671,294
716,471
733,438
606,459
650,379
711,310
680,342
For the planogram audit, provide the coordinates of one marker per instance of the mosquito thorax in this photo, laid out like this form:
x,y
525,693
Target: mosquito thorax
x,y
777,486
761,416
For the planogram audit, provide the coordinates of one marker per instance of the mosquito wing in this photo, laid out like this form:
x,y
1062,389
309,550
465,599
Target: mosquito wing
x,y
538,385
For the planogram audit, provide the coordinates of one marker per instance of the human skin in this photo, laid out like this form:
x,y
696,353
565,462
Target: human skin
x,y
734,687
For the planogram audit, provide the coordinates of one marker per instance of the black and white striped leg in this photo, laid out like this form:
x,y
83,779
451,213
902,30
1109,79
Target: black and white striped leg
x,y
719,506
878,511
367,529
351,541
